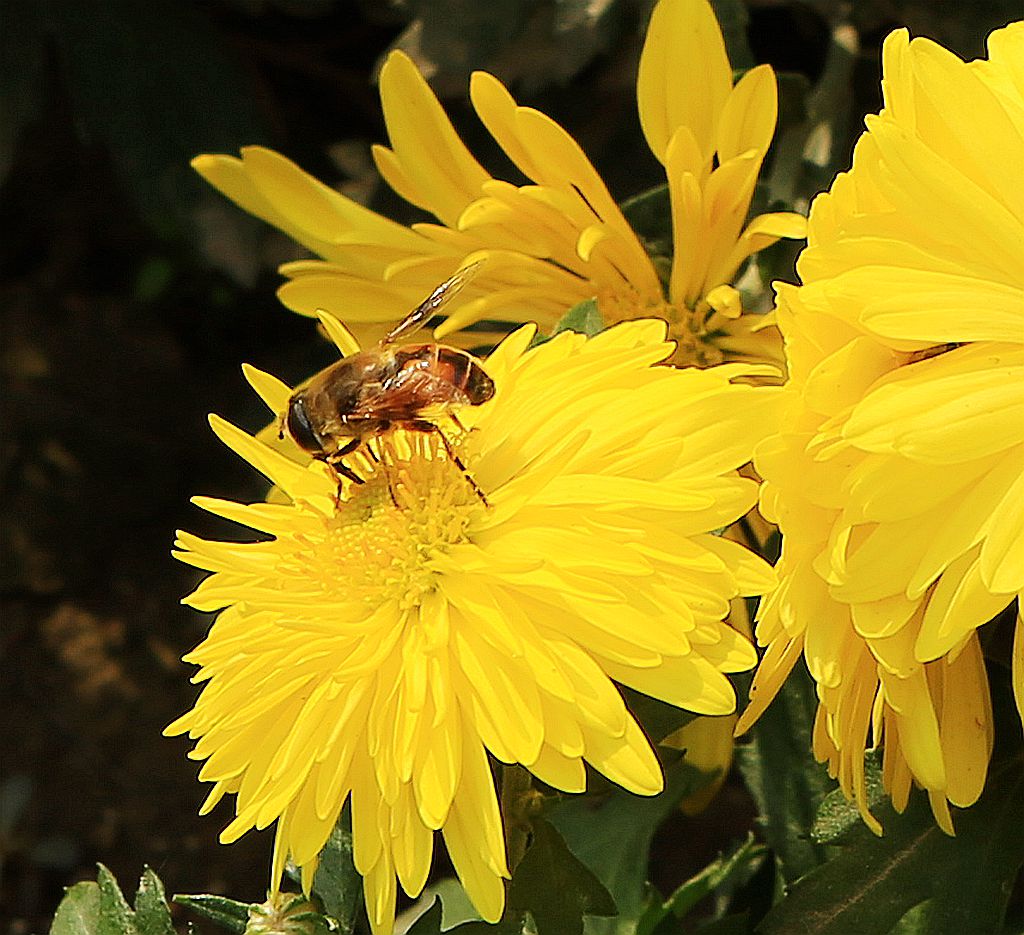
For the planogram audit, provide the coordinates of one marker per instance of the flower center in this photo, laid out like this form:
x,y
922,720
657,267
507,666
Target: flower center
x,y
693,329
414,505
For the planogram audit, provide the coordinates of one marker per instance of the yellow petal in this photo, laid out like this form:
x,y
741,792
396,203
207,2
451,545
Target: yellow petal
x,y
684,77
442,173
748,118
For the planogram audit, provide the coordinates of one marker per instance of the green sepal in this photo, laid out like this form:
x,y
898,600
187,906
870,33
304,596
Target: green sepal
x,y
227,913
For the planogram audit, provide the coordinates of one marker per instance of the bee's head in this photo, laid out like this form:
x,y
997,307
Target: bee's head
x,y
296,422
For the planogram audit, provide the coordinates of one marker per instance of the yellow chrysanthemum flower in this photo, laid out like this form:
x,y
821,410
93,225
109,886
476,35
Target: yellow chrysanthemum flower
x,y
386,637
898,475
560,239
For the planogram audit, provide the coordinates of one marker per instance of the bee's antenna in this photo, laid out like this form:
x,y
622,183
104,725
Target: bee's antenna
x,y
432,303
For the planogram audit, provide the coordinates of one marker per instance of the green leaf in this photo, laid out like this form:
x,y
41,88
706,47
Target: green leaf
x,y
584,318
429,923
736,923
152,914
717,874
227,913
337,882
838,816
518,924
555,887
650,215
613,838
658,718
116,916
79,911
878,883
782,775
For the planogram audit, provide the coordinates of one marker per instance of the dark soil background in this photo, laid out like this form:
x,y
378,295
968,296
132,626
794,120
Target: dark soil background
x,y
129,297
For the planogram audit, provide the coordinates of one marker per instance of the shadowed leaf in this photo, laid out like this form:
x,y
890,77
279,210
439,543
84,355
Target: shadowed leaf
x,y
876,883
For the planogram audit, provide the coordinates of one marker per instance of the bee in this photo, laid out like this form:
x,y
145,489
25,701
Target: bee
x,y
365,395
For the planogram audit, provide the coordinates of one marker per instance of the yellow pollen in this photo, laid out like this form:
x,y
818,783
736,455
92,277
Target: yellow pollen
x,y
412,507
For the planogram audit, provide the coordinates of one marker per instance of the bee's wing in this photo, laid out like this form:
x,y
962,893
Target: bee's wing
x,y
403,400
432,303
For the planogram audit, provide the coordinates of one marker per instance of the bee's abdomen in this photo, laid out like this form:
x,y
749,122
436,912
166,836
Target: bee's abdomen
x,y
455,367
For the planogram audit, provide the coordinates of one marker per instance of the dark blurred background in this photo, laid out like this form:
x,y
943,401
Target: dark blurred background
x,y
130,294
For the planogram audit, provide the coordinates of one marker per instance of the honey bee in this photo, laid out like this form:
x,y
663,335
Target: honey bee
x,y
364,395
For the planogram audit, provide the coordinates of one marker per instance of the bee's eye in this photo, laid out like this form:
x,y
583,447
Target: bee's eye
x,y
479,386
299,427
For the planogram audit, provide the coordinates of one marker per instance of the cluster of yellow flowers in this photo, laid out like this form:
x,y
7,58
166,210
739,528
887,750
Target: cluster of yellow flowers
x,y
389,636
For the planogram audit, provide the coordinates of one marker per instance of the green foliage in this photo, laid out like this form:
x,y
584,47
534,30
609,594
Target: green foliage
x,y
79,911
914,878
613,835
100,908
286,914
716,876
650,215
429,923
337,882
782,775
583,318
227,913
838,817
150,81
555,887
658,718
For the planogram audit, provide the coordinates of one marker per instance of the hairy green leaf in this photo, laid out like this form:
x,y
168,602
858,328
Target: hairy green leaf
x,y
838,816
79,911
116,916
152,914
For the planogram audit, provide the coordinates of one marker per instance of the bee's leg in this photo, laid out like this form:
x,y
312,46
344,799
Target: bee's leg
x,y
458,424
337,465
423,426
386,469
